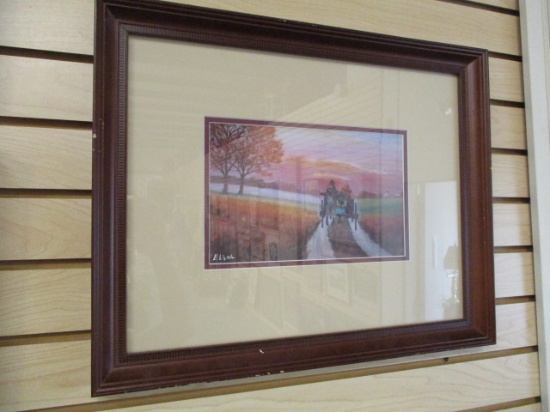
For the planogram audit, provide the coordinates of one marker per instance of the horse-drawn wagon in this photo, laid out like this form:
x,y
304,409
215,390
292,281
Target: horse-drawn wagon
x,y
338,206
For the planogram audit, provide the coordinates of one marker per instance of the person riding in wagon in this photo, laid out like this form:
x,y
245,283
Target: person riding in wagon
x,y
346,191
330,195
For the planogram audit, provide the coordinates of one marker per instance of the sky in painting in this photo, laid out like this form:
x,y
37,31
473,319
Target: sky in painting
x,y
367,161
368,151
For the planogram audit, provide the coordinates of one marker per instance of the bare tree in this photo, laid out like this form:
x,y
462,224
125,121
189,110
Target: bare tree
x,y
222,149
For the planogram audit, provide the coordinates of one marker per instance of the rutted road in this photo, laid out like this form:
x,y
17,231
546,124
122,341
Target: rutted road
x,y
319,246
369,246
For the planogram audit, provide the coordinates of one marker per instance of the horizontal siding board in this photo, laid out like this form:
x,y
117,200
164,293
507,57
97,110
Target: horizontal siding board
x,y
45,375
505,78
35,228
506,4
510,176
508,128
44,301
516,325
50,374
45,89
45,158
512,225
52,25
514,274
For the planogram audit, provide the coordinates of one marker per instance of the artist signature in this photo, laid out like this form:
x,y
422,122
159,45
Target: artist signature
x,y
219,257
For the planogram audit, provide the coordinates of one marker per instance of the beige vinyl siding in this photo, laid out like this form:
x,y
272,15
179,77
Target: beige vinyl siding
x,y
514,274
510,176
508,128
506,4
53,25
44,228
512,224
45,225
60,90
503,80
44,301
38,158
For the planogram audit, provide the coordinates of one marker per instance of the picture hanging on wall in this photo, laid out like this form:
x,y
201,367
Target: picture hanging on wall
x,y
272,196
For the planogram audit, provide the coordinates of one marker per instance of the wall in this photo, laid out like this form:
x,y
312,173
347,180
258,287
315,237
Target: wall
x,y
46,83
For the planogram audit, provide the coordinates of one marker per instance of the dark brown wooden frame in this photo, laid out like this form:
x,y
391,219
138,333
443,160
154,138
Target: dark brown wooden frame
x,y
115,370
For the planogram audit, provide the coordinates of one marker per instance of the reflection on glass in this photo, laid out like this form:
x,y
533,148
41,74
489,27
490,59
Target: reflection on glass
x,y
442,255
174,302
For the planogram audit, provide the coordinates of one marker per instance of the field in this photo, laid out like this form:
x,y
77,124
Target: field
x,y
383,219
246,229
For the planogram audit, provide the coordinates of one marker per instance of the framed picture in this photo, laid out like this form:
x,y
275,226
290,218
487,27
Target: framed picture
x,y
272,196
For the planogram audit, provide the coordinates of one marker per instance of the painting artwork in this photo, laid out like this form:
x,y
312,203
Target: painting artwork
x,y
292,193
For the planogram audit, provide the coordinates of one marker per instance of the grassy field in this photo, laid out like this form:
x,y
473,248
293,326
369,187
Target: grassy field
x,y
383,219
243,228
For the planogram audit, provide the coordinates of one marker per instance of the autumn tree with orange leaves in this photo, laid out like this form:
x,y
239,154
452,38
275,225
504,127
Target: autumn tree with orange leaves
x,y
256,151
244,150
